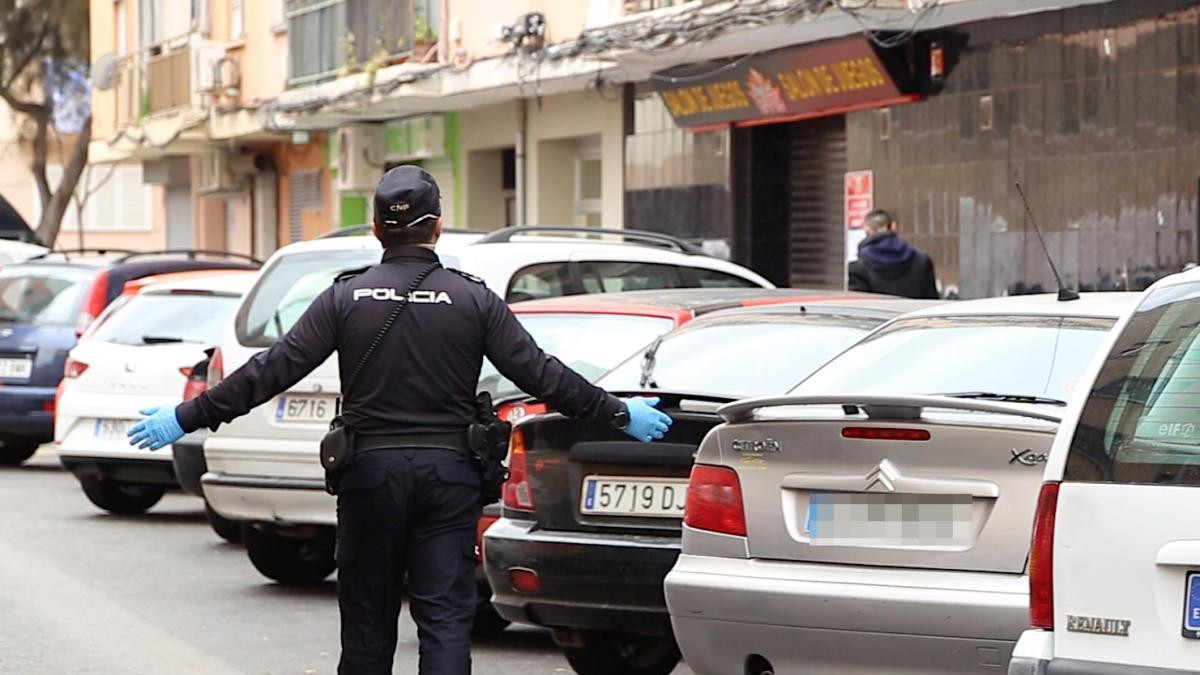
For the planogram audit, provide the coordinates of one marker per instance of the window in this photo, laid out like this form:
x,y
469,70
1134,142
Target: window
x,y
120,17
638,6
590,344
304,194
737,356
316,35
1040,356
1140,422
714,279
115,199
614,277
547,280
237,19
287,288
42,294
588,190
152,318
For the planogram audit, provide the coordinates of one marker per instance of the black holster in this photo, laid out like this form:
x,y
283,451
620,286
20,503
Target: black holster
x,y
337,452
487,439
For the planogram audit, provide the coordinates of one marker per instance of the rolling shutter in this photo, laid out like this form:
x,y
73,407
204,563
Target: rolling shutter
x,y
817,171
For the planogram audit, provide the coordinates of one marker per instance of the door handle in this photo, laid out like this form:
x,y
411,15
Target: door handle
x,y
1183,553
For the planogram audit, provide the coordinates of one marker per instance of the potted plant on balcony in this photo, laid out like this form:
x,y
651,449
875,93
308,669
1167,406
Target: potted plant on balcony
x,y
424,37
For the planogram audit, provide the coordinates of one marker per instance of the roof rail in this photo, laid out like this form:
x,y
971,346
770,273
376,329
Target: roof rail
x,y
67,253
354,230
506,234
190,253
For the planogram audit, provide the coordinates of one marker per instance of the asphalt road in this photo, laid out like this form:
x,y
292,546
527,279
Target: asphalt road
x,y
85,592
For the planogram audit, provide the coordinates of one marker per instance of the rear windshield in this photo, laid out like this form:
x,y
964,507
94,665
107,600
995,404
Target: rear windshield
x,y
168,317
738,356
43,295
1008,356
1141,422
288,287
590,344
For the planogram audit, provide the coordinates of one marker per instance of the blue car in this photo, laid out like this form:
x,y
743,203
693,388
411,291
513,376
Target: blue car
x,y
45,305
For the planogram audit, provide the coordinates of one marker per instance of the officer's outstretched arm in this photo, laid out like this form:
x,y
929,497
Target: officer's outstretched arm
x,y
517,356
268,373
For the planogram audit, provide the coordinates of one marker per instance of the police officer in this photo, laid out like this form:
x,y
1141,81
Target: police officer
x,y
407,510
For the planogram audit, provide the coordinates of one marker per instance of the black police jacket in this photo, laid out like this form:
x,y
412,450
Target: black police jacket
x,y
423,376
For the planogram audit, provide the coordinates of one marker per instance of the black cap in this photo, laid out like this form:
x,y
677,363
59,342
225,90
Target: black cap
x,y
406,196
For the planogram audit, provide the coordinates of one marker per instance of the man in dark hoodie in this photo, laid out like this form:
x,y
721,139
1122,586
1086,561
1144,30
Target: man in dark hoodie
x,y
888,264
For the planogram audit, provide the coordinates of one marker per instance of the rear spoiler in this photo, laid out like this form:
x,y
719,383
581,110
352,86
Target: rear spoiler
x,y
880,405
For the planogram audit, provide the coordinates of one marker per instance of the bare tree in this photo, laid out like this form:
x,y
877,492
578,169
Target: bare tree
x,y
34,36
88,188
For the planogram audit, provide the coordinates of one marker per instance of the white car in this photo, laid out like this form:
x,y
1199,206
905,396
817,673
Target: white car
x,y
19,251
263,468
1114,576
877,518
138,354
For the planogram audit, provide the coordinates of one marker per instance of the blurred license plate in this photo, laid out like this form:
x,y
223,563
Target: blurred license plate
x,y
306,408
105,428
620,496
1191,606
16,368
859,519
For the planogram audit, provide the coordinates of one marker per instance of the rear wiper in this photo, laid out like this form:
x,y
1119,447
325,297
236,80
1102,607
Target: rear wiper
x,y
649,359
160,340
1007,398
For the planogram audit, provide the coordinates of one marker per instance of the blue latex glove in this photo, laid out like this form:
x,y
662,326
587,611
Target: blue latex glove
x,y
160,428
645,422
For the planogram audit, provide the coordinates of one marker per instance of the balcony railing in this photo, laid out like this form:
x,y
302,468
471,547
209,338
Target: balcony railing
x,y
169,80
326,36
639,6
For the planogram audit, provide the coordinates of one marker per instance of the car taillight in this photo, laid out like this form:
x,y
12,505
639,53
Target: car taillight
x,y
714,501
517,493
196,384
885,434
1041,560
216,368
93,303
74,368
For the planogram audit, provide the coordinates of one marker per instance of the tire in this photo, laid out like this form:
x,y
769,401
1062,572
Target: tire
x,y
607,653
229,530
119,497
14,453
289,560
488,624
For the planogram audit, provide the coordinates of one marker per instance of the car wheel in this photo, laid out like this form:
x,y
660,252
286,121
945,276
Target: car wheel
x,y
288,560
14,453
606,653
488,623
118,497
229,530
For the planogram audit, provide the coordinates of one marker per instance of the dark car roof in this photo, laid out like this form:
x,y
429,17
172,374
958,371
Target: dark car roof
x,y
119,273
696,300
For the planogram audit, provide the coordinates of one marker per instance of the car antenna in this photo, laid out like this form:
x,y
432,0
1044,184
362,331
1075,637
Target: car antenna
x,y
1064,294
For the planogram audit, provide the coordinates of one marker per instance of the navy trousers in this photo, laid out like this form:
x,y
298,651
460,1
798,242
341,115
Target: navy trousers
x,y
406,522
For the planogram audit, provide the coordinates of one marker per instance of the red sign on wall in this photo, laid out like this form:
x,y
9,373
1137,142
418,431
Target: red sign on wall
x,y
860,197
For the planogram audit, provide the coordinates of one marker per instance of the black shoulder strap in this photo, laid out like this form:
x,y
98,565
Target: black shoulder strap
x,y
387,325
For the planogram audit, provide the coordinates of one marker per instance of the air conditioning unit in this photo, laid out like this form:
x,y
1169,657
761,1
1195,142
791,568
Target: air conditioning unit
x,y
217,174
206,60
359,157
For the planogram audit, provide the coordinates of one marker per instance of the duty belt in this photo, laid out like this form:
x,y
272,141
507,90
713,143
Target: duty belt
x,y
453,440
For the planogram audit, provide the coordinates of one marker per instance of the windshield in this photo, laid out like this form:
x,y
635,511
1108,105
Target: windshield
x,y
590,344
740,356
288,287
1019,356
157,318
38,295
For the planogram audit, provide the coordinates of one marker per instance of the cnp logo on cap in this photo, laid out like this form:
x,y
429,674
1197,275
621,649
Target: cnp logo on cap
x,y
406,197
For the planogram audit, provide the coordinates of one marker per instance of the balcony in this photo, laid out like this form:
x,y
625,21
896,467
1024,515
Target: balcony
x,y
639,6
327,37
169,80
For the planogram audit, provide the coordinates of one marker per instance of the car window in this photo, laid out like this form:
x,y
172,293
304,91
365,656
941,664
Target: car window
x,y
739,356
49,295
1141,421
590,344
615,277
288,287
1039,356
546,280
155,318
714,279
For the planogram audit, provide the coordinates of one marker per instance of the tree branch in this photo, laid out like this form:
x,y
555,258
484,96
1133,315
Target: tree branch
x,y
25,60
52,215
